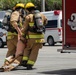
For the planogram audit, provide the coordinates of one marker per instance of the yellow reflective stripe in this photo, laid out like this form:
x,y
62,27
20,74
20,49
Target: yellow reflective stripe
x,y
30,62
27,37
5,60
25,58
36,36
31,24
10,37
20,24
10,33
40,41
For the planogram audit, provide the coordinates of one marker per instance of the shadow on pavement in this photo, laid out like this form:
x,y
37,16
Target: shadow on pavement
x,y
52,46
60,72
21,68
58,44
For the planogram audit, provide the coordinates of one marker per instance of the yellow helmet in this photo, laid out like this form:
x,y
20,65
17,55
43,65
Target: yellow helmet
x,y
19,5
28,5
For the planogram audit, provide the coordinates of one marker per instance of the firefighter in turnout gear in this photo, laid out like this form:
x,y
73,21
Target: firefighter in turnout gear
x,y
34,34
35,39
14,33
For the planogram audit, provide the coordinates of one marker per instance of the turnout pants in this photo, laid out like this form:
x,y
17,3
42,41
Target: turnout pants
x,y
31,51
11,44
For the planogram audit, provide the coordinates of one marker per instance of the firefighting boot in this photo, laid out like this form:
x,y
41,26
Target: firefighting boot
x,y
8,60
5,68
15,63
1,69
23,63
12,66
5,64
29,67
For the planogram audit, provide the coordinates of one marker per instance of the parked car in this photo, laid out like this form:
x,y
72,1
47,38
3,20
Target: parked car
x,y
3,32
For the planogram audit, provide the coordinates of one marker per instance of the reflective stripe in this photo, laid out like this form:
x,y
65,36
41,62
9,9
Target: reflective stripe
x,y
10,37
40,41
14,65
25,58
36,36
10,33
27,37
31,24
30,62
8,58
20,24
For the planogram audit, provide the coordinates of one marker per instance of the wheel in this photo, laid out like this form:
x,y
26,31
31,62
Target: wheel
x,y
50,41
1,43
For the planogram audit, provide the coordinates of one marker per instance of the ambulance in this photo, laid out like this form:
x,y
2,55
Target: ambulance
x,y
53,33
68,26
3,32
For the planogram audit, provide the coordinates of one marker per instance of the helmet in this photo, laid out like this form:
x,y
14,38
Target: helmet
x,y
28,5
19,5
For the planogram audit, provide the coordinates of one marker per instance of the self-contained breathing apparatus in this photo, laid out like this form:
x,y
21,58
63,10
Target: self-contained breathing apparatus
x,y
6,21
38,23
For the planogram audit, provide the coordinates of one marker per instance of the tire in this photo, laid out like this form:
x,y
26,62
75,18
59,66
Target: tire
x,y
1,43
50,41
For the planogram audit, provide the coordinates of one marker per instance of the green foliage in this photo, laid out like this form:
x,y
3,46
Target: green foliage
x,y
49,4
8,4
53,5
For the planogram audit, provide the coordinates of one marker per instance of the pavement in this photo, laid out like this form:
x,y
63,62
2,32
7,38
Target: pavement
x,y
49,62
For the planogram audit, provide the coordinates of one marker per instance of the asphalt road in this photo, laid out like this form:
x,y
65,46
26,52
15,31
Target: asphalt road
x,y
49,62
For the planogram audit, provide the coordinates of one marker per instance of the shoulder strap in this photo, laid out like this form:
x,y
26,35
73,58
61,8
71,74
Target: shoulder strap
x,y
18,19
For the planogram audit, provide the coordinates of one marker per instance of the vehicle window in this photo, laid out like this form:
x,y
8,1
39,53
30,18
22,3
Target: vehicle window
x,y
0,24
61,23
2,14
51,24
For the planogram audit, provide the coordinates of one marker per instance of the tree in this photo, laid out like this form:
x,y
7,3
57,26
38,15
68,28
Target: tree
x,y
8,4
49,4
53,5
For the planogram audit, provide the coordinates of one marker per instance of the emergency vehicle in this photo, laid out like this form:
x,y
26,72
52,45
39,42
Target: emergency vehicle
x,y
69,26
3,32
53,33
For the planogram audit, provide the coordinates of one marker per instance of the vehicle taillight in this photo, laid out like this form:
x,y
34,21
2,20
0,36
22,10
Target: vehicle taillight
x,y
59,31
56,12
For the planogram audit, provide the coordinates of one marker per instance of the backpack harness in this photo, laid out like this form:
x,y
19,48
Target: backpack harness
x,y
37,26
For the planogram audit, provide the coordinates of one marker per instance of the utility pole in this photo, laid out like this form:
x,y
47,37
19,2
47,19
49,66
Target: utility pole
x,y
42,5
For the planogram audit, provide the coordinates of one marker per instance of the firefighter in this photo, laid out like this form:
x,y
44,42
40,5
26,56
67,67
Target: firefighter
x,y
35,40
14,34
